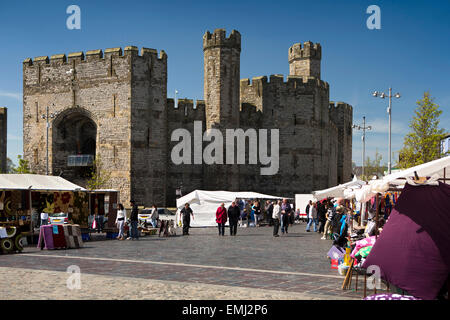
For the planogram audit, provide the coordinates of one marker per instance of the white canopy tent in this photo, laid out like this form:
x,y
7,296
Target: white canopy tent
x,y
36,182
338,191
436,170
205,203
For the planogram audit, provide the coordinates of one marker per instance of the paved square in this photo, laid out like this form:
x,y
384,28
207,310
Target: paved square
x,y
203,265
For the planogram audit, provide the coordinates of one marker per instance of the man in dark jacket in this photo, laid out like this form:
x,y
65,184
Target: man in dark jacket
x,y
233,217
134,221
186,214
321,215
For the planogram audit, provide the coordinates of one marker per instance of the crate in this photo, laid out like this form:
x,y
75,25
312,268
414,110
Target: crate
x,y
85,237
112,235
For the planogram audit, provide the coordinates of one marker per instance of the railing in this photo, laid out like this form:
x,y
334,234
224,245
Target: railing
x,y
80,160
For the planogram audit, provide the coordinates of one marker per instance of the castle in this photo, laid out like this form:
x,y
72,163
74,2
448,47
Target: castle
x,y
113,105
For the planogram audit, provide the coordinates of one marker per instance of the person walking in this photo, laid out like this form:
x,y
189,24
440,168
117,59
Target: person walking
x,y
120,221
321,213
248,212
329,216
276,217
256,209
221,218
154,216
186,213
100,217
285,214
44,218
307,210
233,217
134,221
269,210
312,217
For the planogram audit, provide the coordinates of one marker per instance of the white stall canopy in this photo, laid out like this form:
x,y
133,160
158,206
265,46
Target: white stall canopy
x,y
436,170
205,203
36,182
338,191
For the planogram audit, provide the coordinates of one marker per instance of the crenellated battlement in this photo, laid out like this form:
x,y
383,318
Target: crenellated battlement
x,y
308,51
291,81
340,107
98,54
198,106
219,39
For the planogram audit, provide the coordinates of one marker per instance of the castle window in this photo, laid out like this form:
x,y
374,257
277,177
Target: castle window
x,y
148,136
37,111
114,105
36,159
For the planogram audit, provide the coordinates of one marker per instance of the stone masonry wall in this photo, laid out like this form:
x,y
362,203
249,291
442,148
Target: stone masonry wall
x,y
189,176
148,126
299,109
120,98
95,85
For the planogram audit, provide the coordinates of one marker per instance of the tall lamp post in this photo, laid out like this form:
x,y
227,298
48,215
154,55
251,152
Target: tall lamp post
x,y
382,95
363,128
46,117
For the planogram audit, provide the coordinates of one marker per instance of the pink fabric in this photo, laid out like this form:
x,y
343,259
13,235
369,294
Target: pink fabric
x,y
46,235
362,244
221,215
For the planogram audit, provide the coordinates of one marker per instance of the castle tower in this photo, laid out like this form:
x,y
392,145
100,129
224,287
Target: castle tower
x,y
305,62
221,78
222,99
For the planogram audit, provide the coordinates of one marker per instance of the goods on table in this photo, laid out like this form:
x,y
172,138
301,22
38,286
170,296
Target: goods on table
x,y
11,241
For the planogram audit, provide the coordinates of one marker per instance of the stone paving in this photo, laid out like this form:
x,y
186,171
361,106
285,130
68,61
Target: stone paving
x,y
251,265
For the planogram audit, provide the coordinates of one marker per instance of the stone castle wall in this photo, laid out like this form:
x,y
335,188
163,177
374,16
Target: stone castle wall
x,y
299,108
105,87
119,99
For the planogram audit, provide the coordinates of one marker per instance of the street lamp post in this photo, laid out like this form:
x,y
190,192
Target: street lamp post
x,y
363,128
382,95
46,117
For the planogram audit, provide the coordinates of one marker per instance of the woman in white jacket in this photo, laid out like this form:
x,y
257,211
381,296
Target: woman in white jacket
x,y
154,216
312,217
276,216
120,221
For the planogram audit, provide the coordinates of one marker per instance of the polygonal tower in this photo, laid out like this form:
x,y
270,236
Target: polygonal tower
x,y
305,62
222,99
221,78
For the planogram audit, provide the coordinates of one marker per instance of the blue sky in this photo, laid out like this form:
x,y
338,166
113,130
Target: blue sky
x,y
409,53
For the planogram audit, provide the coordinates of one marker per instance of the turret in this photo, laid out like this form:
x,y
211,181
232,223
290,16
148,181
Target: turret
x,y
221,78
305,61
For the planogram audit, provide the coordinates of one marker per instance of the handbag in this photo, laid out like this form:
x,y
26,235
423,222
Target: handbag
x,y
94,224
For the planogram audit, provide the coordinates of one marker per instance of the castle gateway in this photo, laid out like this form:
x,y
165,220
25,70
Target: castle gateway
x,y
113,104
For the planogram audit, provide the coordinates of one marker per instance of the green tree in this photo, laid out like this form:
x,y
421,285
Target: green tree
x,y
421,145
10,166
374,167
99,177
23,166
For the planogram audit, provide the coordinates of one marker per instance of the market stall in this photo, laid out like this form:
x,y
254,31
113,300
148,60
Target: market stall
x,y
24,196
411,249
103,202
205,203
